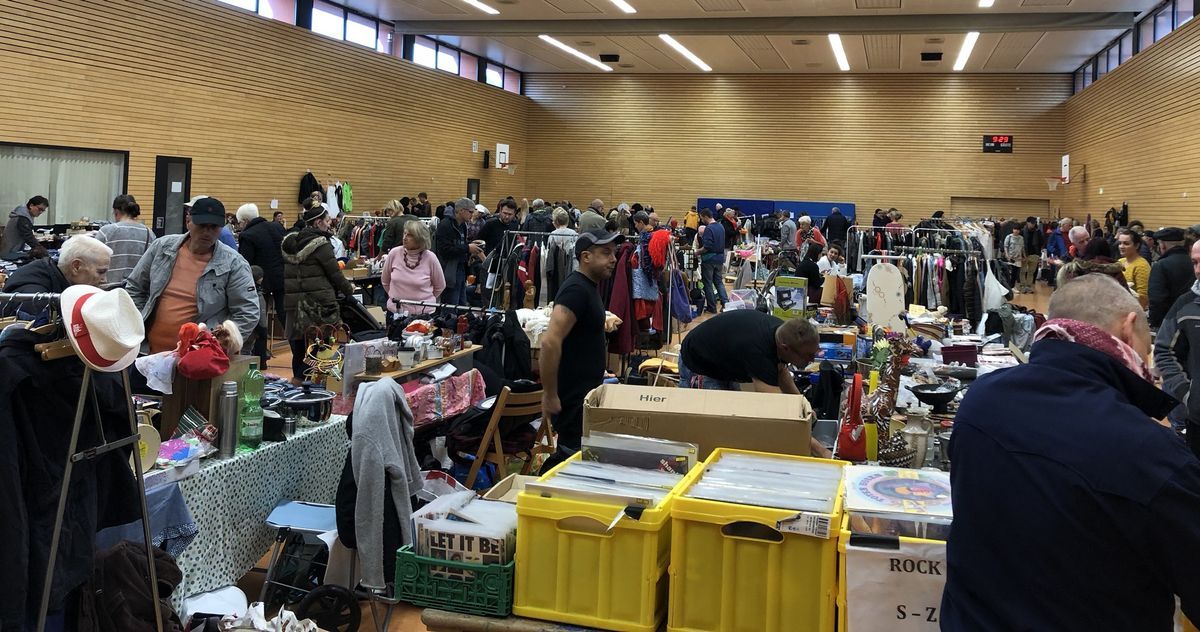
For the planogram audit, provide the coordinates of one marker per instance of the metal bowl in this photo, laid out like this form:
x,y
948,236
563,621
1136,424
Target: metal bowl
x,y
935,395
313,404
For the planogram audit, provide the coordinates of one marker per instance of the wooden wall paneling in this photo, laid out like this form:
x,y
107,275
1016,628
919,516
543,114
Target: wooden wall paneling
x,y
254,102
1135,133
912,142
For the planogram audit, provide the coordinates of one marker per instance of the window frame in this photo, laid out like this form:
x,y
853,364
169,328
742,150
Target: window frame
x,y
1167,9
480,62
346,13
123,153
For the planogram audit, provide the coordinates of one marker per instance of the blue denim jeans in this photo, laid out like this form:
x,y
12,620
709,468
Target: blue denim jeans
x,y
688,379
457,295
714,283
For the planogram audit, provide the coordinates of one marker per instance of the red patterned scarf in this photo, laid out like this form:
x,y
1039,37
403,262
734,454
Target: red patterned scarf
x,y
1092,336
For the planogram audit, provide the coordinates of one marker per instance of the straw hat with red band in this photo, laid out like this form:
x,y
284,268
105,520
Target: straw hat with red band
x,y
105,328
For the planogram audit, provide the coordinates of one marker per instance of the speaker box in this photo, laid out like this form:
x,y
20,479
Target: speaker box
x,y
487,158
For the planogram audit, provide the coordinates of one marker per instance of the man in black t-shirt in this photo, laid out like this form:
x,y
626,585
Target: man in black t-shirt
x,y
576,332
748,346
744,346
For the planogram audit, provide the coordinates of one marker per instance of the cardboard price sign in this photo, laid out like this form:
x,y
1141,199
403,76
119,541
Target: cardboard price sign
x,y
888,589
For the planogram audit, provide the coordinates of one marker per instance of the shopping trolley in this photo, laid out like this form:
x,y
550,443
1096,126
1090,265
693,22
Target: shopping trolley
x,y
296,574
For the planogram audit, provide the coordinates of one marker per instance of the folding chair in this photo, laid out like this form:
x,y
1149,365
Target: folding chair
x,y
510,405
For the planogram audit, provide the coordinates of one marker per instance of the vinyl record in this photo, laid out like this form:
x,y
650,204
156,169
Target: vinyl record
x,y
147,447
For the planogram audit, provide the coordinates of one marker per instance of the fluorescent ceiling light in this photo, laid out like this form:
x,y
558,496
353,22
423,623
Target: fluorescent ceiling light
x,y
624,6
482,7
571,51
986,4
965,52
682,50
835,41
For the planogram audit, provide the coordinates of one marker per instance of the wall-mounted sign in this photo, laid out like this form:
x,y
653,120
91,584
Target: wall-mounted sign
x,y
997,144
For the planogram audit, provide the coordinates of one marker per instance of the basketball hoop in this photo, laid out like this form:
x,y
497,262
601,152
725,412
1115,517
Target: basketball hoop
x,y
511,166
1052,182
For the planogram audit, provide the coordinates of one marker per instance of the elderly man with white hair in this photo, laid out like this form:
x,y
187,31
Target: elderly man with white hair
x,y
539,219
259,244
82,260
1079,238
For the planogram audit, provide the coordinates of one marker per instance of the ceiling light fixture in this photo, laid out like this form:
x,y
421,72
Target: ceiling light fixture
x,y
839,53
482,7
574,53
965,52
682,50
986,4
624,6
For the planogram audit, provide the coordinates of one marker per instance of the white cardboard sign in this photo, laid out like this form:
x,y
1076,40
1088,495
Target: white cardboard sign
x,y
889,589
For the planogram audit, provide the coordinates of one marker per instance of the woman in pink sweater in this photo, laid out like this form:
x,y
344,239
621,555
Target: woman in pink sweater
x,y
412,272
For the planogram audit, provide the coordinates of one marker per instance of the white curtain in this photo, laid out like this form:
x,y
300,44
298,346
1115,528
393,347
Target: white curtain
x,y
79,183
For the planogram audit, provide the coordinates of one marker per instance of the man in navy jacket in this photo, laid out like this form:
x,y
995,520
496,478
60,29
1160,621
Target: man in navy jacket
x,y
1074,509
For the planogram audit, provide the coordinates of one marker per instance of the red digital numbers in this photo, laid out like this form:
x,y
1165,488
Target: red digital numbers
x,y
1001,139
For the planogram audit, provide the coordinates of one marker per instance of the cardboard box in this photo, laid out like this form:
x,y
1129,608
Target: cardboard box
x,y
506,490
791,298
767,422
199,394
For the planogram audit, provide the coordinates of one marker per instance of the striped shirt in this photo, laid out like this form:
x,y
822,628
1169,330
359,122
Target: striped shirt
x,y
129,240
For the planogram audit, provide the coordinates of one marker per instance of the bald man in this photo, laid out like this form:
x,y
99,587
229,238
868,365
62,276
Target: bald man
x,y
1074,509
593,218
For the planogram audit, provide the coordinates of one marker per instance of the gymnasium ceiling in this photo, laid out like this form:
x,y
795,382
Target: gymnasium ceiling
x,y
772,36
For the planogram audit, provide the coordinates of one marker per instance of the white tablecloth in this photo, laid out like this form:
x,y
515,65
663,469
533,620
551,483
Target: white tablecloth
x,y
230,499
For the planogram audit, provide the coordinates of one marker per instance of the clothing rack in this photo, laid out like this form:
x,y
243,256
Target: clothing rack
x,y
86,388
461,308
507,243
927,249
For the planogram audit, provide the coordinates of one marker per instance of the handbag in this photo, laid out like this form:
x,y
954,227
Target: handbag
x,y
200,354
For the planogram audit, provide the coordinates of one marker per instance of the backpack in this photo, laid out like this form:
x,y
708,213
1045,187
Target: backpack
x,y
118,597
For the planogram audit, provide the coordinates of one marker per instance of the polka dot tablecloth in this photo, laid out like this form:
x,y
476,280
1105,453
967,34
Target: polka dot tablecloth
x,y
231,498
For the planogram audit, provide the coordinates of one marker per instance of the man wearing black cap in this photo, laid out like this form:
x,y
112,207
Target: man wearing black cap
x,y
193,278
576,332
1171,276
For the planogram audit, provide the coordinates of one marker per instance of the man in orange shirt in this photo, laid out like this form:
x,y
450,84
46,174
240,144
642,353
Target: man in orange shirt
x,y
193,278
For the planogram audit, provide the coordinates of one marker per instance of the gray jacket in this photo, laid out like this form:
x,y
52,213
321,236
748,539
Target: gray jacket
x,y
225,290
18,233
383,461
1177,355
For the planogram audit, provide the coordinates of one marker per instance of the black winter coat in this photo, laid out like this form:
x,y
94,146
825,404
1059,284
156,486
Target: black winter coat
x,y
40,275
1170,277
308,184
37,410
311,272
450,246
835,227
1034,241
260,244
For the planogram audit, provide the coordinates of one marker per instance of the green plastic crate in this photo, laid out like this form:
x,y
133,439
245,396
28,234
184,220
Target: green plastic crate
x,y
489,592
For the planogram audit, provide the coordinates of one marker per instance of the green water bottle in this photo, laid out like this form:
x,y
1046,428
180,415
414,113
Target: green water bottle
x,y
251,417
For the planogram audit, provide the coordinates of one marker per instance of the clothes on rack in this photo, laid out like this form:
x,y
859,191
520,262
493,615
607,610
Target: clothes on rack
x,y
308,184
37,410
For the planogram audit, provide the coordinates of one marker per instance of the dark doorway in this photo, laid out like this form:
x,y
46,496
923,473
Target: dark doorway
x,y
473,189
172,187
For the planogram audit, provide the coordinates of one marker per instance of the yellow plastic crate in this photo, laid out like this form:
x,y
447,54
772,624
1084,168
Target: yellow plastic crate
x,y
733,571
918,617
572,569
